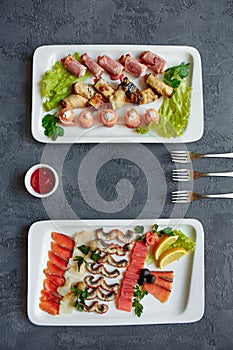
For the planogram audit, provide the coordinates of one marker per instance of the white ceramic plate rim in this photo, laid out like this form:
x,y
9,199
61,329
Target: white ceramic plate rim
x,y
195,127
195,305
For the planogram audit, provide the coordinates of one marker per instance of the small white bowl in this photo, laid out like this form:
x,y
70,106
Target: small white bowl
x,y
27,180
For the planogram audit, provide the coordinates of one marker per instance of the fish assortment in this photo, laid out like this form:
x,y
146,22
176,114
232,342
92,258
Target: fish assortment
x,y
91,269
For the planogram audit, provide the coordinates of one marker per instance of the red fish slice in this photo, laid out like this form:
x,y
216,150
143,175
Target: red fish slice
x,y
46,295
65,241
64,253
54,270
59,281
50,307
159,292
56,260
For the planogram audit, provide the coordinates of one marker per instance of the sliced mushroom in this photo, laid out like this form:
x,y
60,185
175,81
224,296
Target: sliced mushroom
x,y
107,258
102,283
128,237
100,269
96,307
97,293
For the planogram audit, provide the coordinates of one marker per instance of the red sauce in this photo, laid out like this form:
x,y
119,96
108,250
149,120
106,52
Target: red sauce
x,y
42,180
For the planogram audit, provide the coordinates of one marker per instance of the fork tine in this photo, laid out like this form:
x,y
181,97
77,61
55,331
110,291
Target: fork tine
x,y
185,152
177,178
180,192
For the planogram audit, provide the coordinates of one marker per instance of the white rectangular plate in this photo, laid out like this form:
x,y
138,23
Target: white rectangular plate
x,y
186,303
46,56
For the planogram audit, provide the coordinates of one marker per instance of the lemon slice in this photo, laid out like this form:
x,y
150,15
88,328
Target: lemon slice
x,y
171,255
163,245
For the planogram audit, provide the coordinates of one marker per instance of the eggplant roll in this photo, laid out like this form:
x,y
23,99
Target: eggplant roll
x,y
149,95
74,101
118,99
159,86
104,88
83,89
131,91
97,101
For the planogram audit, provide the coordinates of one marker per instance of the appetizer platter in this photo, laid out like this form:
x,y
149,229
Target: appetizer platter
x,y
117,93
114,272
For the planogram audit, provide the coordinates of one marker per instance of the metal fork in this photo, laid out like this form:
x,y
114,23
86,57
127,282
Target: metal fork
x,y
188,196
186,156
189,175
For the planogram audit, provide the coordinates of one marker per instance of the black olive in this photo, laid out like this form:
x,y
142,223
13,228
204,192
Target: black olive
x,y
141,281
150,279
144,272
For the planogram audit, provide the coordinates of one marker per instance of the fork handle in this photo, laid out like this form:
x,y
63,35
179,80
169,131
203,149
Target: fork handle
x,y
224,195
221,155
228,174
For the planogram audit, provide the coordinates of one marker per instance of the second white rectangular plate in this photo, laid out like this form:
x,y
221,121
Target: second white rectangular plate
x,y
186,303
46,56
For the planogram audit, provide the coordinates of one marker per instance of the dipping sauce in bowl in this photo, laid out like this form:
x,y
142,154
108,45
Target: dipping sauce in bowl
x,y
41,180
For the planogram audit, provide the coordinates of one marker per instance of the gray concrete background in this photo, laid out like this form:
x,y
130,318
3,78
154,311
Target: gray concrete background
x,y
25,25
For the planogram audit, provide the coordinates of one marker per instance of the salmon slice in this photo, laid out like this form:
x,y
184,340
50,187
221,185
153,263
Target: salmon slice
x,y
54,270
169,275
140,247
50,286
124,304
46,295
50,307
131,276
64,253
160,281
134,269
56,260
128,284
59,281
126,292
65,241
157,291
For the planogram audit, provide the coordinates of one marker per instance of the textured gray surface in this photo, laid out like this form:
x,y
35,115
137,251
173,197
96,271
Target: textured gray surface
x,y
25,25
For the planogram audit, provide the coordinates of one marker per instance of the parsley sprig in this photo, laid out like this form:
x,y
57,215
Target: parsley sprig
x,y
139,294
81,296
49,123
86,250
173,75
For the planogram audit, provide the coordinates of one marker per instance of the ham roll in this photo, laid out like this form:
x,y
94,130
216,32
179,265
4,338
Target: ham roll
x,y
151,115
153,61
66,117
132,65
74,66
132,118
92,65
86,119
112,67
108,117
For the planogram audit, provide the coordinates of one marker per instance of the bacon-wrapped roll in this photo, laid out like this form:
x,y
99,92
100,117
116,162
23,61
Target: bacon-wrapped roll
x,y
108,117
151,115
132,118
74,66
92,65
132,65
113,68
86,119
153,61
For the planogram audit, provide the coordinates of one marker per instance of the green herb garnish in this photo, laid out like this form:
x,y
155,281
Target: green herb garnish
x,y
173,74
139,294
80,260
95,256
81,296
84,249
139,229
49,123
167,231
